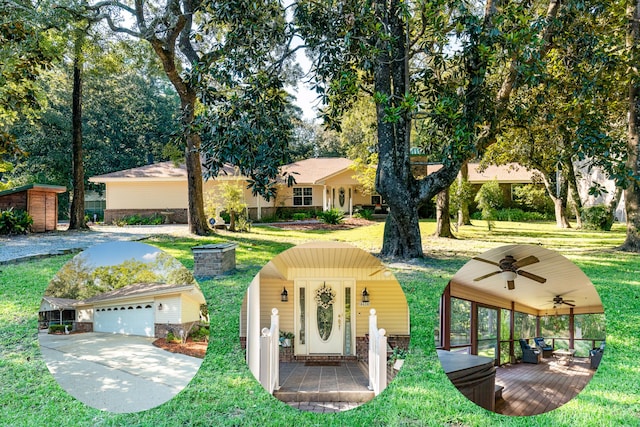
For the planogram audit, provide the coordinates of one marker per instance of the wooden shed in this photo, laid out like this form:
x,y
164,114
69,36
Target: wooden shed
x,y
39,200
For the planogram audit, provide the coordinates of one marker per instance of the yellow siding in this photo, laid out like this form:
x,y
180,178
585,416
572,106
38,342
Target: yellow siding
x,y
213,188
463,292
147,195
190,310
243,317
171,308
343,179
270,298
390,304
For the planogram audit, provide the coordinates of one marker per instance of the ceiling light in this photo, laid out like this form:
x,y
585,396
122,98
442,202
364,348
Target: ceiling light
x,y
509,275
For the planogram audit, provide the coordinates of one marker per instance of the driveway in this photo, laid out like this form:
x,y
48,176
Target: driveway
x,y
114,372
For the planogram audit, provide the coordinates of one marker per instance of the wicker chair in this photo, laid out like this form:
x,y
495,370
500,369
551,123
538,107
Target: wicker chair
x,y
595,356
545,349
529,355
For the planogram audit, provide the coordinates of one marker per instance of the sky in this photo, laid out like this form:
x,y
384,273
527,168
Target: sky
x,y
114,253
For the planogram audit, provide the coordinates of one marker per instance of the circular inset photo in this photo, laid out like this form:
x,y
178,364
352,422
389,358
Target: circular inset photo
x,y
521,330
123,327
324,325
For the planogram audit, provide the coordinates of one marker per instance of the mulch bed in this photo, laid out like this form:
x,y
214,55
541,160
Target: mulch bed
x,y
347,224
190,348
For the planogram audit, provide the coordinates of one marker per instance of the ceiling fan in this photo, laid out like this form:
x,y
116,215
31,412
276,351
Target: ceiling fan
x,y
558,300
510,269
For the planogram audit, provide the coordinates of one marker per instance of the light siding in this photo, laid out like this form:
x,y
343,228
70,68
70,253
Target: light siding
x,y
171,309
190,311
147,195
270,298
387,298
84,314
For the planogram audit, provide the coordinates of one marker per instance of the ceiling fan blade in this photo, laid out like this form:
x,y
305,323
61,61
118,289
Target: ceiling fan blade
x,y
486,260
377,271
511,285
477,279
532,276
525,261
569,304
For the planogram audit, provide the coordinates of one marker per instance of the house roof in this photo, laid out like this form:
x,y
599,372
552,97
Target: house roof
x,y
316,170
510,173
61,303
40,187
163,171
140,290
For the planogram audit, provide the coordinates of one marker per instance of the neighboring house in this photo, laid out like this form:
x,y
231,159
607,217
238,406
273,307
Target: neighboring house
x,y
321,184
146,309
340,328
56,311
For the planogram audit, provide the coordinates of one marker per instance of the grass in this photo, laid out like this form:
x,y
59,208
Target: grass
x,y
224,393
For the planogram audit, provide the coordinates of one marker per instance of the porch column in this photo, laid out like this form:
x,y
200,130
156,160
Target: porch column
x,y
350,202
253,326
324,198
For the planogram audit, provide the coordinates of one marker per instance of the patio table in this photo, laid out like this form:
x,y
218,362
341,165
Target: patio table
x,y
564,355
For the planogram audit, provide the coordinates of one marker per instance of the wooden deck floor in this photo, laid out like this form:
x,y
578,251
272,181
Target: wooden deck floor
x,y
531,389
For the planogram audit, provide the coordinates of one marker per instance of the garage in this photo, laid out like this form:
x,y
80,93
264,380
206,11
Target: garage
x,y
129,319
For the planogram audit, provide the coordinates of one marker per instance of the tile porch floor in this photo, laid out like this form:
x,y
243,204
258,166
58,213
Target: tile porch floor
x,y
323,388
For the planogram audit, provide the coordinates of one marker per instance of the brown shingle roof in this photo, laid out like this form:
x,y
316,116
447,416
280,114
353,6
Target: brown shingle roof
x,y
61,303
312,171
139,289
157,171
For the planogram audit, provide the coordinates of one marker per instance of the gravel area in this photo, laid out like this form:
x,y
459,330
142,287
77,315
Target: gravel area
x,y
38,245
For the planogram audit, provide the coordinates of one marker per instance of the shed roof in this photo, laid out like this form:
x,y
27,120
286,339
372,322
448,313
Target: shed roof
x,y
41,187
61,303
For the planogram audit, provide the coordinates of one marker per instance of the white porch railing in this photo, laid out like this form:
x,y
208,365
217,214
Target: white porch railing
x,y
270,354
377,355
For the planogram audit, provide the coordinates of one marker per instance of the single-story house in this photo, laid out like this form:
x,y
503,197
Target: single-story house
x,y
39,200
321,184
56,311
146,309
324,292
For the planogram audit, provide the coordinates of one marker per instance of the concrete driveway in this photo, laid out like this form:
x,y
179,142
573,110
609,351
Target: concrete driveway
x,y
116,373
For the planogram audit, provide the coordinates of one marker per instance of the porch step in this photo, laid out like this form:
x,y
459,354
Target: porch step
x,y
324,396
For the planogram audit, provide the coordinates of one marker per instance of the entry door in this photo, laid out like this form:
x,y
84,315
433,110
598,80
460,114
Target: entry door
x,y
326,317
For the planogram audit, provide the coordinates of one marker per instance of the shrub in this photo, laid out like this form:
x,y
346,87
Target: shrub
x,y
597,218
137,219
56,328
202,334
364,214
490,199
299,216
14,222
332,216
172,338
532,197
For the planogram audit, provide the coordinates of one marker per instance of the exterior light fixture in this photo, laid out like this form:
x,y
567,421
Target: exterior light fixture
x,y
284,296
365,297
160,306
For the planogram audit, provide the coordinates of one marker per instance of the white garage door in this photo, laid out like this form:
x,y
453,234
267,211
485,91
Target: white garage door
x,y
130,319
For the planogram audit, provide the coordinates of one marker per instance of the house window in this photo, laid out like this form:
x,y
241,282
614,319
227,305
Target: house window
x,y
377,200
302,196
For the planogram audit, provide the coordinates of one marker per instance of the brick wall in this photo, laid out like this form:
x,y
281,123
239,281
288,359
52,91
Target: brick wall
x,y
179,215
83,326
213,260
162,329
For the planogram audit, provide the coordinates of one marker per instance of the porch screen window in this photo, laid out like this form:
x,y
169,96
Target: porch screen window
x,y
302,316
303,196
460,337
347,321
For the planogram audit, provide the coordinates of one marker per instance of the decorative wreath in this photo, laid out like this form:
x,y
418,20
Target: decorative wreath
x,y
325,296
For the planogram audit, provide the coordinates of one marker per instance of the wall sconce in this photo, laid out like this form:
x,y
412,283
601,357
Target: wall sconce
x,y
160,307
284,296
365,297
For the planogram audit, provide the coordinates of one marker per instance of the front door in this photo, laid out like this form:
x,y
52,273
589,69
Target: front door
x,y
321,317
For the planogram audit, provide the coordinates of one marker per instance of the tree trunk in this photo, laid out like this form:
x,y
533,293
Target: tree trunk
x,y
574,195
443,219
196,217
632,192
76,215
558,194
463,213
394,179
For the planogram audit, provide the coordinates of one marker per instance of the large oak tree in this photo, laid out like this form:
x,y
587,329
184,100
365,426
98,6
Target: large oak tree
x,y
454,63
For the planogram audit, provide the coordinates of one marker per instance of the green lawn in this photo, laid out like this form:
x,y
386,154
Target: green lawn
x,y
224,393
